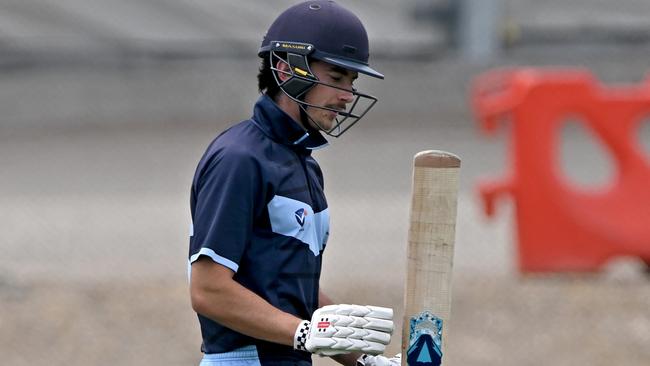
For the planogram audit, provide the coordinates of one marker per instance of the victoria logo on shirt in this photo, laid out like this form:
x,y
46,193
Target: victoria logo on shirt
x,y
301,215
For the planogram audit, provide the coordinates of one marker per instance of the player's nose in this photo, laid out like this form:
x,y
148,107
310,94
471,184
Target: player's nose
x,y
346,96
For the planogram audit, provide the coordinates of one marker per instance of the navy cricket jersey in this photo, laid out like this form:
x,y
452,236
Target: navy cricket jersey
x,y
258,208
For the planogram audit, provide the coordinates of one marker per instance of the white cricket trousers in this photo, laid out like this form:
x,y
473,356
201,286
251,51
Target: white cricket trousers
x,y
245,356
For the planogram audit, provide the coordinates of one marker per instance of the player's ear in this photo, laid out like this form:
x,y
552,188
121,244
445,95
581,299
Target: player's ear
x,y
284,72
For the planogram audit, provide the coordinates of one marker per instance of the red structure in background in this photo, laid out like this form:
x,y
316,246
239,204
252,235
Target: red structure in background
x,y
562,227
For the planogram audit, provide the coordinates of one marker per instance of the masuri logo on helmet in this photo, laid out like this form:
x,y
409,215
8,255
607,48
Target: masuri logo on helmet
x,y
324,31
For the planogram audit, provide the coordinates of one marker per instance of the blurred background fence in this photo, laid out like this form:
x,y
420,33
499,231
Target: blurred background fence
x,y
108,105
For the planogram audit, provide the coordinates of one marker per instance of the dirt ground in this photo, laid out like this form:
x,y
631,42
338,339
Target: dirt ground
x,y
95,274
579,321
94,222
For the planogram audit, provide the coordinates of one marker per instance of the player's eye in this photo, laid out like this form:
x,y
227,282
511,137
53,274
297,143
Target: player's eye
x,y
336,77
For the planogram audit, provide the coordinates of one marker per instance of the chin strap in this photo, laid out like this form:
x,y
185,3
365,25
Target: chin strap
x,y
304,117
307,121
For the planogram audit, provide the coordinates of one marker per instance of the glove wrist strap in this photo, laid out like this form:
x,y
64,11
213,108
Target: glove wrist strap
x,y
300,338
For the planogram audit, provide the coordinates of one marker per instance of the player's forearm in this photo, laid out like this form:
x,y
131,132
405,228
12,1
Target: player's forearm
x,y
240,309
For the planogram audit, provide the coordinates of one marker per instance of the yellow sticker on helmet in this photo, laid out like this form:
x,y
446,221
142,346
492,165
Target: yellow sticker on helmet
x,y
300,71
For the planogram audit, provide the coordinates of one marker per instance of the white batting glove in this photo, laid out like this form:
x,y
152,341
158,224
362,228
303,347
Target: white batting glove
x,y
367,360
339,329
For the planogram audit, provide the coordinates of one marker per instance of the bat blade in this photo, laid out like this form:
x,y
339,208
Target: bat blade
x,y
430,253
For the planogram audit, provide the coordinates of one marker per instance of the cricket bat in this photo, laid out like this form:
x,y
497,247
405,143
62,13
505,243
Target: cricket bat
x,y
430,254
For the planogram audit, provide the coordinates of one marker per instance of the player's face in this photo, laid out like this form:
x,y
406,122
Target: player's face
x,y
324,96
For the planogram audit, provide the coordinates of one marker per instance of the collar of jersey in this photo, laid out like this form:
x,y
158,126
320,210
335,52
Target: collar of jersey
x,y
280,127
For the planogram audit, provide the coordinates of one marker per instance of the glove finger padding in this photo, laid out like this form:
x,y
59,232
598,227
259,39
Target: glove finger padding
x,y
335,326
337,329
344,345
368,311
381,325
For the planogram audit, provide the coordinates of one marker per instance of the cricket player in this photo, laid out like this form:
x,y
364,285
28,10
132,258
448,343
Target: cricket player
x,y
260,217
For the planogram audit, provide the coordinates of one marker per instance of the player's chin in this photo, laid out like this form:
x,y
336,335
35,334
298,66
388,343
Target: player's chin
x,y
327,122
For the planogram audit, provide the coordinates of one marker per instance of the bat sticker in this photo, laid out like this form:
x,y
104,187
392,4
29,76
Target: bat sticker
x,y
425,340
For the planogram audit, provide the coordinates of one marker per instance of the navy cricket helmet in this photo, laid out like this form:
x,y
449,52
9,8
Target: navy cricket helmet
x,y
325,31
